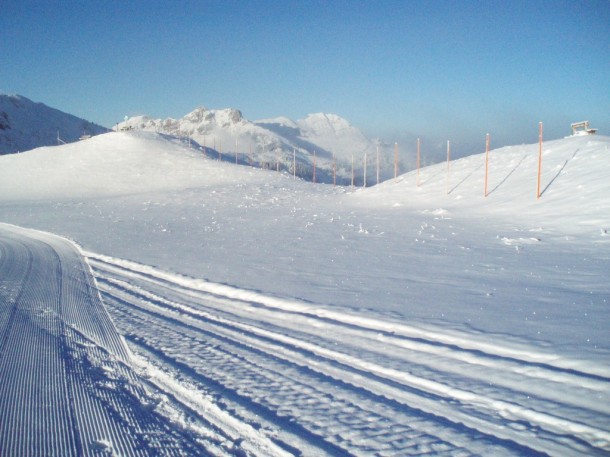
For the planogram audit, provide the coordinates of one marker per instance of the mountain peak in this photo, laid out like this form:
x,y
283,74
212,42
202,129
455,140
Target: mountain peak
x,y
332,138
324,123
197,115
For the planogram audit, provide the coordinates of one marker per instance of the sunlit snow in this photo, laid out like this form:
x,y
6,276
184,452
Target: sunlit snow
x,y
265,315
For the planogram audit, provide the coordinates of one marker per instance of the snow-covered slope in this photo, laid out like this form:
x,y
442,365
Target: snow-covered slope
x,y
105,165
66,384
279,317
269,141
26,125
574,185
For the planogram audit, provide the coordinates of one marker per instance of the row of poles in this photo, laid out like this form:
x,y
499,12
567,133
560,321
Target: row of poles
x,y
487,143
418,162
487,160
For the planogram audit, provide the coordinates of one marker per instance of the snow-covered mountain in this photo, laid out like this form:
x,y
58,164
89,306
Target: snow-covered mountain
x,y
25,125
276,143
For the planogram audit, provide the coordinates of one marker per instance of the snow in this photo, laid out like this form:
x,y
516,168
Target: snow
x,y
66,387
25,125
273,316
267,142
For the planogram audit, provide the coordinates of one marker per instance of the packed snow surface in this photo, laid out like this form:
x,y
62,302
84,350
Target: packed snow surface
x,y
269,316
66,387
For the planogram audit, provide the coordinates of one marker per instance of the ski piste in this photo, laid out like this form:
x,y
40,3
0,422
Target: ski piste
x,y
263,315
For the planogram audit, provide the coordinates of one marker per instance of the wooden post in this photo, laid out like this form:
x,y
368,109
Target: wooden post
x,y
448,162
418,160
539,158
486,162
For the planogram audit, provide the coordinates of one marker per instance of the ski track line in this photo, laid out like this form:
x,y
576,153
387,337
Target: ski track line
x,y
236,430
320,409
65,385
514,372
188,392
507,409
465,343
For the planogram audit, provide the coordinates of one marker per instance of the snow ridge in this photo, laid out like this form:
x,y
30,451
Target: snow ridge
x,y
26,125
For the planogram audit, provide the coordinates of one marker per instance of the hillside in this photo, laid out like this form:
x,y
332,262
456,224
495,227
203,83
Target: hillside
x,y
26,125
267,316
272,143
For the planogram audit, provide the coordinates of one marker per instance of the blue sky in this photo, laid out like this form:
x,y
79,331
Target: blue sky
x,y
439,70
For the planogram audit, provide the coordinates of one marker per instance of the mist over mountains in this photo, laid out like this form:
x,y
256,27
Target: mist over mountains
x,y
327,141
321,147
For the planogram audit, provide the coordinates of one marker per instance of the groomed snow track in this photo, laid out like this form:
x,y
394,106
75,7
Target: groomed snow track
x,y
286,377
210,369
66,385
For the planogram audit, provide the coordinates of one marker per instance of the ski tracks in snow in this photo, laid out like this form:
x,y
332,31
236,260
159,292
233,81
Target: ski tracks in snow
x,y
66,386
274,376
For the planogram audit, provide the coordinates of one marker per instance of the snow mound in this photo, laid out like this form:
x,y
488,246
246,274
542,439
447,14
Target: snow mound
x,y
574,184
110,164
